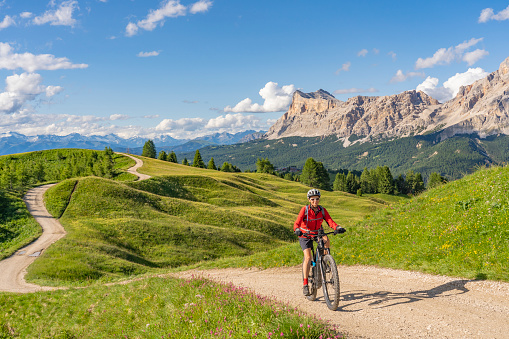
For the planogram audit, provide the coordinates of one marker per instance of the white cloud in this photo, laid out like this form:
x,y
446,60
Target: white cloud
x,y
233,121
188,124
26,15
452,85
20,89
53,90
119,117
355,90
168,9
362,52
488,14
200,6
6,22
392,55
30,62
445,56
400,76
345,67
147,54
62,16
276,99
376,50
472,57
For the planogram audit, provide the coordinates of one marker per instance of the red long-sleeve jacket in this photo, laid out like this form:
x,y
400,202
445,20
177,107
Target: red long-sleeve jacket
x,y
313,221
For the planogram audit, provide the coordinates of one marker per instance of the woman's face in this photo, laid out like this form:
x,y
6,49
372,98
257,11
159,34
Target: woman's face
x,y
314,200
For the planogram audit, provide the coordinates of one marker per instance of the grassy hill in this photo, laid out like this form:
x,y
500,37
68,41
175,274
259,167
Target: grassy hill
x,y
181,216
452,158
207,218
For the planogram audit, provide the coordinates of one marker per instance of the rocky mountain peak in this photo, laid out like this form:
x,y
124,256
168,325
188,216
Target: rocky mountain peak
x,y
482,108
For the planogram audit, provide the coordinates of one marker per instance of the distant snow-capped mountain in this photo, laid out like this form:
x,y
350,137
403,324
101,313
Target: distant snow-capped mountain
x,y
12,142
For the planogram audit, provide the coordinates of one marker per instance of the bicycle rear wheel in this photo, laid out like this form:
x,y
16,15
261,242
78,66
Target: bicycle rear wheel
x,y
312,284
330,283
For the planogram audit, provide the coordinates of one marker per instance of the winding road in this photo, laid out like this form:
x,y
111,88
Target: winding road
x,y
375,302
13,269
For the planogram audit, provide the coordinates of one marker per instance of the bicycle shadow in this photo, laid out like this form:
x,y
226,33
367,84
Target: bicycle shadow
x,y
384,299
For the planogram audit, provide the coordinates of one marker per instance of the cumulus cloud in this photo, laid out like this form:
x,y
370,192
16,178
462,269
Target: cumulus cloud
x,y
61,16
362,52
148,54
276,99
31,62
355,90
119,117
392,55
6,22
168,9
472,57
26,15
488,14
233,122
344,68
451,87
200,6
444,56
400,76
188,124
20,89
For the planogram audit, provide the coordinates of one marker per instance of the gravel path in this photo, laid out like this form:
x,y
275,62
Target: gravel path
x,y
386,303
13,269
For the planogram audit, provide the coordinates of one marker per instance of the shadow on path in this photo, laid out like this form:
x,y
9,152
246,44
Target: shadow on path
x,y
383,299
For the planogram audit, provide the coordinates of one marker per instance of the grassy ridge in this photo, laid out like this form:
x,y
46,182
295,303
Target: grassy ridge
x,y
117,230
458,229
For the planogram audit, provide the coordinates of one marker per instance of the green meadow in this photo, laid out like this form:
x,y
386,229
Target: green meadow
x,y
184,217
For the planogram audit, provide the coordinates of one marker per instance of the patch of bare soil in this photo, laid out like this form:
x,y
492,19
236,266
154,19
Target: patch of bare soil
x,y
386,303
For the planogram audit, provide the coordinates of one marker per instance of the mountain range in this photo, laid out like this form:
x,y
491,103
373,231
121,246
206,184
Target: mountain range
x,y
13,142
481,108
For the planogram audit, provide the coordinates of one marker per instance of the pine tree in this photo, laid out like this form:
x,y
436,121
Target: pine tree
x,y
351,183
149,149
162,156
410,179
264,166
172,157
340,182
227,167
366,181
211,164
314,174
198,161
435,180
386,181
185,162
418,183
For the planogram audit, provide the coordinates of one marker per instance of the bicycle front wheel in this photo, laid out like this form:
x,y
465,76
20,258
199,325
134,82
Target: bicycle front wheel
x,y
330,283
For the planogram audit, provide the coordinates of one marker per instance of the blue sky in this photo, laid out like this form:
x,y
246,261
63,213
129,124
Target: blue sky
x,y
191,68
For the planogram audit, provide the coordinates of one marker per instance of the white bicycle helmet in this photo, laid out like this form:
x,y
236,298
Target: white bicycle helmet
x,y
312,192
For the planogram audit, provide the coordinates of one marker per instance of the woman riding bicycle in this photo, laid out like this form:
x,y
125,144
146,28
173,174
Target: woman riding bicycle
x,y
308,222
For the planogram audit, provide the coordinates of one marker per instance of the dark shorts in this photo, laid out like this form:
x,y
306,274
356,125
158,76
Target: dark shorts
x,y
305,243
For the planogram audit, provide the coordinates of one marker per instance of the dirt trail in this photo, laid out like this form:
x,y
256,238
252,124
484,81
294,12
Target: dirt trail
x,y
386,303
12,278
13,269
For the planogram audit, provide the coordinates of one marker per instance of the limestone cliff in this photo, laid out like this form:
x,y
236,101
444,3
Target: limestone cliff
x,y
482,107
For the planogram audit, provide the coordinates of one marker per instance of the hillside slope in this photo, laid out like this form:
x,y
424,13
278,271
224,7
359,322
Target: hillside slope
x,y
187,216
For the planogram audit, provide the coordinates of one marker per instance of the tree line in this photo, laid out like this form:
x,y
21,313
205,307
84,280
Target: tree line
x,y
314,174
149,151
20,171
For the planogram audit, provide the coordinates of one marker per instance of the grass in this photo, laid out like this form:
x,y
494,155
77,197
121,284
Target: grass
x,y
158,307
17,227
182,217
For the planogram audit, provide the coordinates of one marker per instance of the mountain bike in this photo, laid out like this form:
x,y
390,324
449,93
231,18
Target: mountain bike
x,y
323,272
